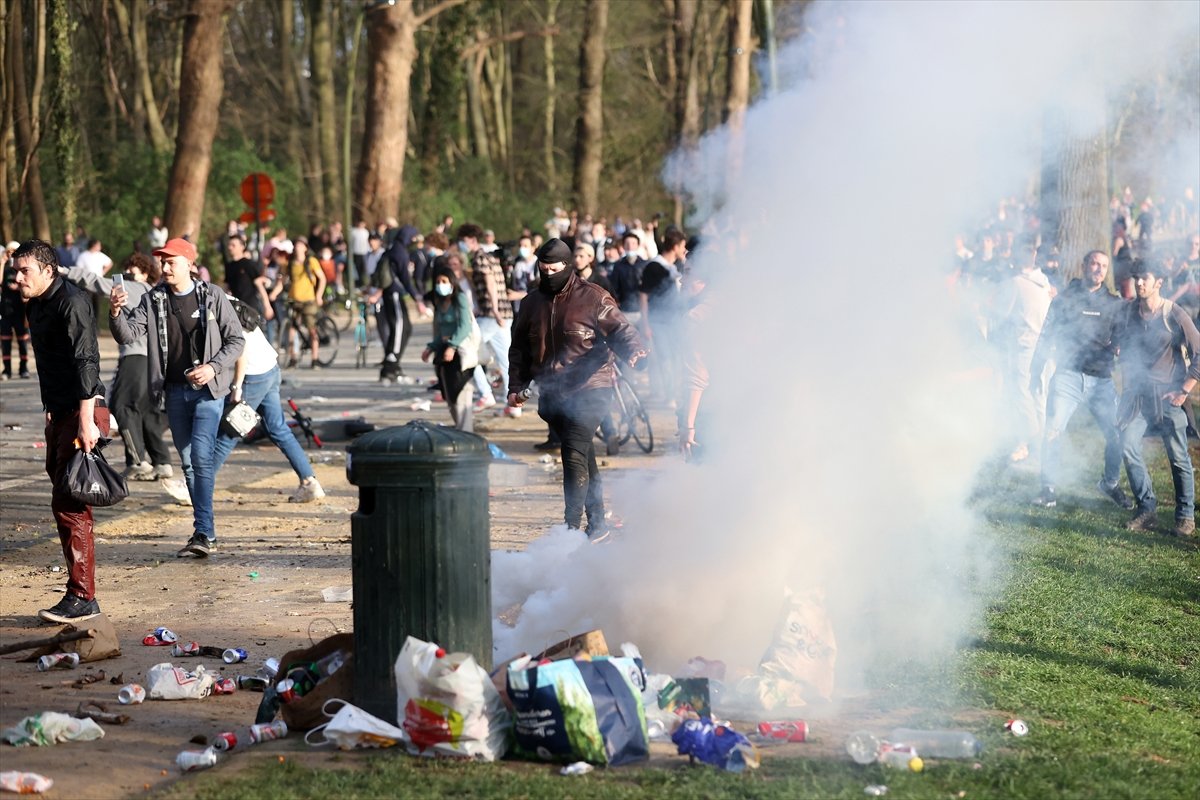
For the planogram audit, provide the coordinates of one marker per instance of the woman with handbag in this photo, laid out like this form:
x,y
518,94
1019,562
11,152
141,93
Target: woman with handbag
x,y
455,346
256,385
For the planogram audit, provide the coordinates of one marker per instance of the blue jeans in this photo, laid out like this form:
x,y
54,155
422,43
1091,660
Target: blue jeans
x,y
1174,437
261,392
194,417
1068,390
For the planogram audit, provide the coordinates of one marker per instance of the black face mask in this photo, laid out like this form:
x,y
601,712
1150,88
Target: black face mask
x,y
554,283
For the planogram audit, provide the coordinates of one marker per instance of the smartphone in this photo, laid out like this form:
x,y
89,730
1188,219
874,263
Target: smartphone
x,y
119,282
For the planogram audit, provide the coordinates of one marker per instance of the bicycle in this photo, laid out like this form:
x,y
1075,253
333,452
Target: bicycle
x,y
362,338
327,337
628,417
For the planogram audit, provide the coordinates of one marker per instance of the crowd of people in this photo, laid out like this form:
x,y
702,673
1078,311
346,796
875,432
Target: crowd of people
x,y
1055,335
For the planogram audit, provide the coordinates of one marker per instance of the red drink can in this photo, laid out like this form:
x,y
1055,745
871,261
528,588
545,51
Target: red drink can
x,y
185,649
790,731
224,686
225,741
286,689
267,731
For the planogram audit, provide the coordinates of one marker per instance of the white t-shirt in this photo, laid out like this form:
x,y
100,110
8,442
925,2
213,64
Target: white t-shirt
x,y
360,241
260,356
94,260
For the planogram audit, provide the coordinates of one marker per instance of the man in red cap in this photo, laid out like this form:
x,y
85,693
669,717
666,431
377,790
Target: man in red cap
x,y
193,344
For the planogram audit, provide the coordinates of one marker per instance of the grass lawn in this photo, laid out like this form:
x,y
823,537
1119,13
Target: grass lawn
x,y
1094,641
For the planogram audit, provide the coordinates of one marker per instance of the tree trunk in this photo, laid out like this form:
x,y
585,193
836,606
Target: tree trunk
x,y
201,84
141,64
30,174
479,132
65,109
7,145
287,81
391,48
551,91
1081,202
687,90
741,45
325,116
589,125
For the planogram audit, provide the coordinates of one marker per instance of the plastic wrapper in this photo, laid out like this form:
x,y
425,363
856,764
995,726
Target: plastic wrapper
x,y
168,682
718,745
24,782
51,727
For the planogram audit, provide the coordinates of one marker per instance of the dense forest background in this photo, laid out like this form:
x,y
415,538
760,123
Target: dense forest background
x,y
501,109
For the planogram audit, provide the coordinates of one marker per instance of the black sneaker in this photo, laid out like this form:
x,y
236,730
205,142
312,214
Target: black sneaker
x,y
24,375
199,546
612,447
70,609
1116,494
1047,499
1146,519
549,444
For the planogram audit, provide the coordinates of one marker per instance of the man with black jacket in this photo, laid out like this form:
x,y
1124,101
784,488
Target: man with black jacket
x,y
1078,333
63,328
564,337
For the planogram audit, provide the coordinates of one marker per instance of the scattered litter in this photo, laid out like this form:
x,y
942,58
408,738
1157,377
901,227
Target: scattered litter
x,y
194,760
51,727
182,649
316,398
99,712
58,661
224,742
224,686
578,768
234,655
546,459
39,445
56,568
168,682
901,756
875,790
939,744
292,614
352,728
719,745
13,427
252,575
24,782
89,678
790,731
420,405
160,638
337,594
131,694
1017,727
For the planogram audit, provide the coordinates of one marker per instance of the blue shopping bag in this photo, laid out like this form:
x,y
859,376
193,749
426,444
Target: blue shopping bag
x,y
580,710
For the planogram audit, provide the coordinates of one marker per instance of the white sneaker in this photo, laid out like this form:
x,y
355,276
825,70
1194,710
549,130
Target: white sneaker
x,y
164,471
484,402
178,490
513,411
309,490
140,472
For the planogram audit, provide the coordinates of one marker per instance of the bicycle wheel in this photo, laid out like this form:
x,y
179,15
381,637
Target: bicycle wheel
x,y
636,420
360,345
342,310
327,335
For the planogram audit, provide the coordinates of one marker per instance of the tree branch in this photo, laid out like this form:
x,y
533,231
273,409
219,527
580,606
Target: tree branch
x,y
485,44
437,8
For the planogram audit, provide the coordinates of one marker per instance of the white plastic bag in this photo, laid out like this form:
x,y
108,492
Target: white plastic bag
x,y
51,727
24,782
168,682
447,704
351,728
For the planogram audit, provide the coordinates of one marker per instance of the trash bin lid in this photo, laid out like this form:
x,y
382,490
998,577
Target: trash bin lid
x,y
418,442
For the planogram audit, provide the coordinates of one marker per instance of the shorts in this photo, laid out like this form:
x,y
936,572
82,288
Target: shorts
x,y
306,313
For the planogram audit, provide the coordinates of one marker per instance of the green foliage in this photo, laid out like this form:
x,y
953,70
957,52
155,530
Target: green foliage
x,y
473,191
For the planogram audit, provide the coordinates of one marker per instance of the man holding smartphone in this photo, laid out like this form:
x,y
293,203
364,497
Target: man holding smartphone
x,y
193,344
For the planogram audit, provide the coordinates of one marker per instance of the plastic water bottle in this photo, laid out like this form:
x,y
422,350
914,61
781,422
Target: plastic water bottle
x,y
863,747
938,744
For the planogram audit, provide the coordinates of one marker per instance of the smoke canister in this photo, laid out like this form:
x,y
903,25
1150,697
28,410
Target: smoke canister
x,y
234,655
225,741
266,731
788,731
185,649
131,694
224,686
192,760
58,661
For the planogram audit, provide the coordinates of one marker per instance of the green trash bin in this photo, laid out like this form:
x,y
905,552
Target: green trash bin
x,y
421,557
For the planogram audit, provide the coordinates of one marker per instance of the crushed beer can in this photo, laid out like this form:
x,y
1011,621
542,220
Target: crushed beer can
x,y
268,731
286,689
182,649
193,760
225,741
131,694
160,638
788,731
234,655
224,686
58,661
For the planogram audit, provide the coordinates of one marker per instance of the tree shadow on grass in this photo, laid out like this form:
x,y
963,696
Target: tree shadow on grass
x,y
1118,668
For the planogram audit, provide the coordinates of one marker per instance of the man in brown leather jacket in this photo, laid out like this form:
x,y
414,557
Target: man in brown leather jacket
x,y
564,337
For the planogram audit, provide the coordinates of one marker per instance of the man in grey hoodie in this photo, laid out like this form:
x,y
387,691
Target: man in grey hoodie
x,y
193,342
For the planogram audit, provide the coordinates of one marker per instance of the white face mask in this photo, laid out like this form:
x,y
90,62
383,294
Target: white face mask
x,y
631,257
444,289
525,252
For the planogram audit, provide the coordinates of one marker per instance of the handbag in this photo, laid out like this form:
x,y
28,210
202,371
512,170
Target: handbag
x,y
89,479
239,420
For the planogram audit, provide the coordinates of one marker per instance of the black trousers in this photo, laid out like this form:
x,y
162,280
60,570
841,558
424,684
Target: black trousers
x,y
140,421
395,328
574,418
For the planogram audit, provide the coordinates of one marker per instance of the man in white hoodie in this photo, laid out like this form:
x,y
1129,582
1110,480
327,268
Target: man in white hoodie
x,y
1022,312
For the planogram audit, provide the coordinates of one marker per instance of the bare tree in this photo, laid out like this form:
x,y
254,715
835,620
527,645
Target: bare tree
x,y
65,109
324,120
391,49
737,86
201,84
589,125
25,111
551,92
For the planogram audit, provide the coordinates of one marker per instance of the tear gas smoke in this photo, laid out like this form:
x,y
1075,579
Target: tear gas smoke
x,y
844,427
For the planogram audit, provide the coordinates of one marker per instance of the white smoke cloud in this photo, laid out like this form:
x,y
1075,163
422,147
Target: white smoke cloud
x,y
844,435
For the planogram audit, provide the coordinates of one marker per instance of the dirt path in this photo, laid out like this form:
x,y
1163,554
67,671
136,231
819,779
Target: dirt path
x,y
261,590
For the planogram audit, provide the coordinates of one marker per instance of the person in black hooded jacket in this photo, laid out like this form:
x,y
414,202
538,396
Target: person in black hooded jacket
x,y
391,280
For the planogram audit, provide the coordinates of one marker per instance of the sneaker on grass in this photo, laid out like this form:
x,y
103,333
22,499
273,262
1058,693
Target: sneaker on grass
x,y
1116,494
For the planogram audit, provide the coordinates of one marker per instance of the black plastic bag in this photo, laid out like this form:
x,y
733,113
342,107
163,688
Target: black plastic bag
x,y
90,479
